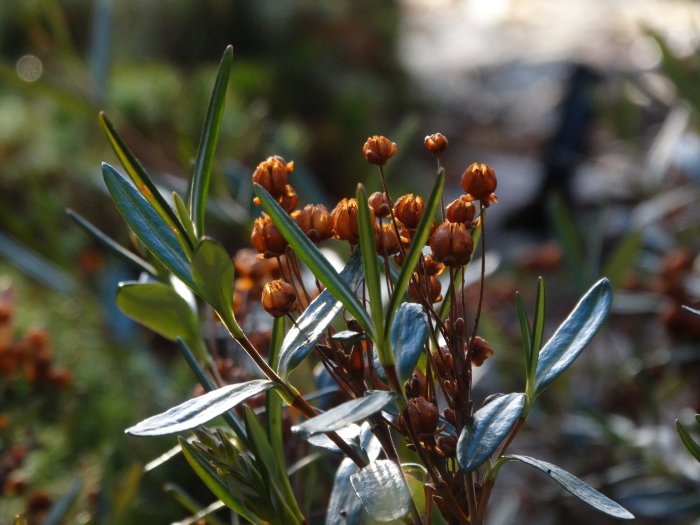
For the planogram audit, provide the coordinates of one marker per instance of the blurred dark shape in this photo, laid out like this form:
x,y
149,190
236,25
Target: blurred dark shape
x,y
565,148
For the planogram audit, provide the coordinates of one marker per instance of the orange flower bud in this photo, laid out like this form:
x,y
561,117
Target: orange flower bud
x,y
452,244
461,210
266,238
385,239
379,204
409,209
480,351
378,149
432,267
315,221
423,415
436,143
273,175
344,218
278,298
479,181
427,289
289,199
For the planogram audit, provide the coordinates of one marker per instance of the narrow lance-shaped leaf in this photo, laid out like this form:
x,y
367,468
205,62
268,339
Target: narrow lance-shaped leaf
x,y
111,244
408,334
148,226
301,338
199,184
197,411
577,487
490,425
692,446
383,490
537,331
141,180
184,218
573,334
212,272
313,258
349,412
420,237
524,332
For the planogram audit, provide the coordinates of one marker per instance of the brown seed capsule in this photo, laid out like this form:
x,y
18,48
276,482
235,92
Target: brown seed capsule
x,y
266,238
480,351
452,244
423,415
447,445
432,267
436,143
409,209
315,221
378,149
379,204
479,181
385,239
428,289
278,298
273,175
461,210
344,218
289,199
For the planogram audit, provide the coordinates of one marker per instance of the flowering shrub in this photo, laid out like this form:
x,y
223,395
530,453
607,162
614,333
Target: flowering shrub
x,y
416,445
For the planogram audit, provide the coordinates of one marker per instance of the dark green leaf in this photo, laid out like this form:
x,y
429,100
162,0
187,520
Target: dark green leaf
x,y
344,506
313,258
537,326
147,224
349,412
207,473
489,427
524,332
371,264
382,489
111,244
302,337
197,411
577,487
690,444
141,180
199,184
573,334
420,238
212,271
408,332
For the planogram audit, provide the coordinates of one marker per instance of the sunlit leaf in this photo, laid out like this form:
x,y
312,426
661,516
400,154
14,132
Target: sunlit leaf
x,y
573,334
147,224
371,265
199,184
383,490
199,410
344,506
346,413
408,332
577,487
489,427
525,333
183,216
301,338
212,271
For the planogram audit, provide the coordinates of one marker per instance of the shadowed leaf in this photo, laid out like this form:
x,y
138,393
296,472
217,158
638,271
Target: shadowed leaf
x,y
408,332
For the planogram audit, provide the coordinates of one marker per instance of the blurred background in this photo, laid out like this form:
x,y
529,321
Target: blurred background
x,y
586,109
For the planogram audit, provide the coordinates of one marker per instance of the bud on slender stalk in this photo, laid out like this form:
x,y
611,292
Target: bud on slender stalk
x,y
479,181
379,204
409,209
461,210
378,149
452,244
315,221
436,143
278,298
273,175
266,238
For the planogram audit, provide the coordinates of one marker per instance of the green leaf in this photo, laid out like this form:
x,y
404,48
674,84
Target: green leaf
x,y
62,506
577,487
207,473
622,259
573,334
349,412
489,426
142,181
420,237
525,334
371,266
199,184
184,217
313,258
147,224
344,506
212,271
408,333
197,411
111,244
301,338
690,444
537,326
383,490
160,308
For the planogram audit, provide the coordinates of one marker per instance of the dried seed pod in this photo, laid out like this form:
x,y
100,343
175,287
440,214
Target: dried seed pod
x,y
479,182
379,204
461,210
266,238
447,445
315,221
452,244
344,218
423,415
429,289
436,143
289,199
432,267
409,209
278,298
480,351
378,149
273,175
385,239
